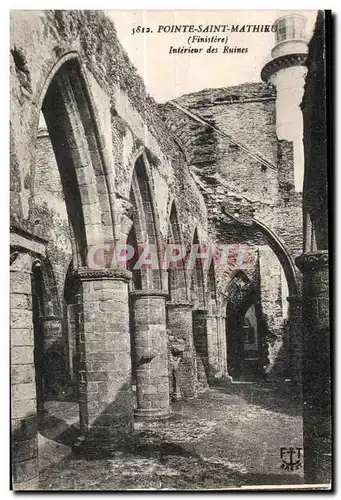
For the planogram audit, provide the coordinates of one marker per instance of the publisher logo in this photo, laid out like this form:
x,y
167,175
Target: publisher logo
x,y
291,458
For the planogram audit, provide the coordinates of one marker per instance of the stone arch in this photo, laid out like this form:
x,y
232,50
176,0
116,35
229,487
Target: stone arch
x,y
282,254
84,169
215,337
242,295
237,276
144,235
197,278
179,320
80,153
199,316
147,309
238,287
177,282
139,152
211,293
44,84
50,290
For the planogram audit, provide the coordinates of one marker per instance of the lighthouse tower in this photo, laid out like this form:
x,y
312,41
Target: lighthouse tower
x,y
286,70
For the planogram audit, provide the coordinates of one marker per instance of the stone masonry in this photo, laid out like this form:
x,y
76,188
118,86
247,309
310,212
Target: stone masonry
x,y
96,162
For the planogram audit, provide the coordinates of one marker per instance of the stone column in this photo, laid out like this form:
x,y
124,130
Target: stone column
x,y
200,343
295,340
179,322
221,320
54,355
149,330
316,367
213,347
24,442
104,362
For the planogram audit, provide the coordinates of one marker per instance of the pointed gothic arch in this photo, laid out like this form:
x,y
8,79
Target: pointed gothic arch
x,y
243,325
197,278
177,282
211,290
144,233
286,261
74,131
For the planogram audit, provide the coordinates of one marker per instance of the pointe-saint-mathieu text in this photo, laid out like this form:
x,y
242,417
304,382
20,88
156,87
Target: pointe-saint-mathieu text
x,y
208,28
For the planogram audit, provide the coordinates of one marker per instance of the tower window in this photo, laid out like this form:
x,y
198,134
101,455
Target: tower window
x,y
289,28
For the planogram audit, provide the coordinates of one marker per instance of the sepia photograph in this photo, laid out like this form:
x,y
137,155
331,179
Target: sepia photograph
x,y
169,269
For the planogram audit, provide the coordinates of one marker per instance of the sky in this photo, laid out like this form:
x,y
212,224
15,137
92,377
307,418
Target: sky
x,y
167,76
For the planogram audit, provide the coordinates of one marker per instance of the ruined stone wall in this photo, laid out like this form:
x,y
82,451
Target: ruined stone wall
x,y
70,63
129,125
128,118
256,183
245,173
246,113
105,122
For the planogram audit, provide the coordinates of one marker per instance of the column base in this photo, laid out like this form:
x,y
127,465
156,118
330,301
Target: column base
x,y
151,414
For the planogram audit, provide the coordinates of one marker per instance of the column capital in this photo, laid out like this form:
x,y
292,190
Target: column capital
x,y
174,305
312,260
148,293
88,274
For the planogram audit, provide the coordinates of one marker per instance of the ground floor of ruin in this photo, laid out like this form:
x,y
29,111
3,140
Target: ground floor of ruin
x,y
229,436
